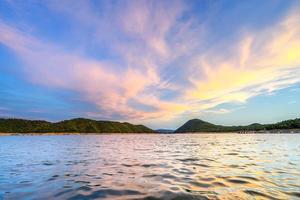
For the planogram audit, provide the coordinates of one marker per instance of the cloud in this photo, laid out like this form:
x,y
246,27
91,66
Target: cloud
x,y
262,62
4,109
218,111
155,48
109,85
52,66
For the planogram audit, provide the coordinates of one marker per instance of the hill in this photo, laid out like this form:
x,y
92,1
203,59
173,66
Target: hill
x,y
197,125
79,125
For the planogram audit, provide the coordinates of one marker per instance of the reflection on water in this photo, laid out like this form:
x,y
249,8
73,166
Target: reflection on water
x,y
183,166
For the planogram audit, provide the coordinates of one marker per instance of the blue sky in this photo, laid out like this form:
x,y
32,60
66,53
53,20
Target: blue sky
x,y
159,63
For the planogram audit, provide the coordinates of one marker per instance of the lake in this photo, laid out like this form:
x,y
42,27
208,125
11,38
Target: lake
x,y
150,166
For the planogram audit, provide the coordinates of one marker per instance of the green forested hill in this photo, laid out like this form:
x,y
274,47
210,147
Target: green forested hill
x,y
79,125
197,125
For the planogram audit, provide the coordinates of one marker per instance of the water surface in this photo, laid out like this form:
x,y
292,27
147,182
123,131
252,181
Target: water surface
x,y
181,166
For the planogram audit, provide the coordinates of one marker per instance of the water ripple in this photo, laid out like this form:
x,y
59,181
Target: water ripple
x,y
150,167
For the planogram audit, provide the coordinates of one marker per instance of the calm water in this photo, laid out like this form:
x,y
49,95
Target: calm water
x,y
183,166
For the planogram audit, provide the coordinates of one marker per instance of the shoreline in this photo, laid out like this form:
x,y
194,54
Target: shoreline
x,y
49,134
241,133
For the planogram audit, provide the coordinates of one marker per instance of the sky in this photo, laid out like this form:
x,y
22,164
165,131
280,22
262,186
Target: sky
x,y
157,63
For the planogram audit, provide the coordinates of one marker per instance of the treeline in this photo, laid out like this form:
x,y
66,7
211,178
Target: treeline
x,y
197,125
79,125
287,124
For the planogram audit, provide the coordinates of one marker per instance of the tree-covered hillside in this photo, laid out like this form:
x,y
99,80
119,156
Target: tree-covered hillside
x,y
79,125
197,125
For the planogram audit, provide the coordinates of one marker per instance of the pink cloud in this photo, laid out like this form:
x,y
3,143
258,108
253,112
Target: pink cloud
x,y
138,34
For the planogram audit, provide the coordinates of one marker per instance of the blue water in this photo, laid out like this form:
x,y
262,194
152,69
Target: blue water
x,y
149,166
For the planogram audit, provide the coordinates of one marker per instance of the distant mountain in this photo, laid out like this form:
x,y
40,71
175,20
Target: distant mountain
x,y
79,125
164,131
197,125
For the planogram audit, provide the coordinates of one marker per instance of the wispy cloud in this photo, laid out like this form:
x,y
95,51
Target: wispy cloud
x,y
107,84
218,111
155,49
262,62
4,109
